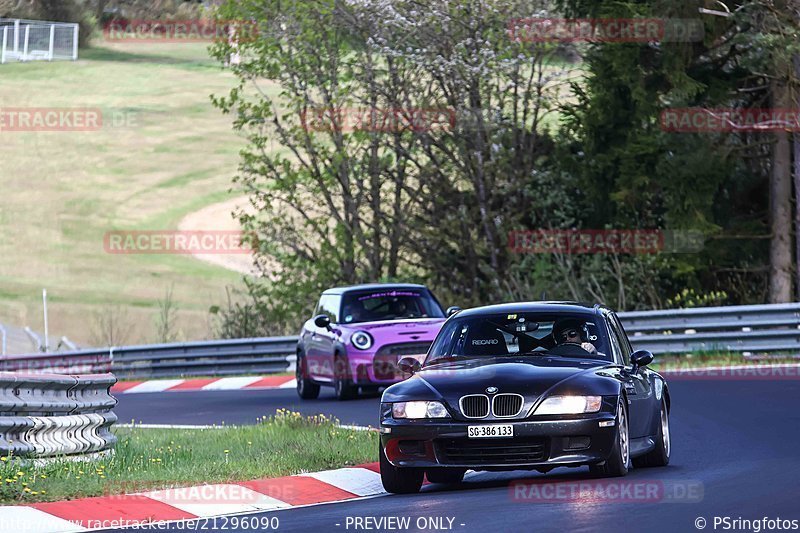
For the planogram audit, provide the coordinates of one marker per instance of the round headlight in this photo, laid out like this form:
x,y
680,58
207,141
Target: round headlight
x,y
361,340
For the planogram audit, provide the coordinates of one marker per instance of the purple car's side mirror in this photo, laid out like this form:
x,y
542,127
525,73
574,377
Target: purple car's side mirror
x,y
323,321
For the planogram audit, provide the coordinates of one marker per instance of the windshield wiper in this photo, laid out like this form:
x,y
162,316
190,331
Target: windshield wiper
x,y
536,353
448,358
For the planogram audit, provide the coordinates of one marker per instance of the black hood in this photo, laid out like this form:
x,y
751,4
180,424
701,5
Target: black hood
x,y
529,376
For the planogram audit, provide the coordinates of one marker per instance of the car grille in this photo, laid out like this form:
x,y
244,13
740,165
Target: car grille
x,y
507,405
492,451
385,361
474,406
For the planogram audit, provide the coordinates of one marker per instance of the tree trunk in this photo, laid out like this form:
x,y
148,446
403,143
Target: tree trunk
x,y
780,256
101,7
795,92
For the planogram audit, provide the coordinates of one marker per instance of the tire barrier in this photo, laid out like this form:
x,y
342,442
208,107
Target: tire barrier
x,y
47,415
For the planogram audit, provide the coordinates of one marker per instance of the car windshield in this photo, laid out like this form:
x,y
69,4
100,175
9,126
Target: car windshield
x,y
521,334
389,304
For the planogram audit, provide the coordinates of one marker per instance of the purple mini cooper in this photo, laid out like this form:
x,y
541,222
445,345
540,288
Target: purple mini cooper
x,y
359,333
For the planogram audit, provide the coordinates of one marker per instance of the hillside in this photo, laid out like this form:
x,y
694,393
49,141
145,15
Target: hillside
x,y
163,153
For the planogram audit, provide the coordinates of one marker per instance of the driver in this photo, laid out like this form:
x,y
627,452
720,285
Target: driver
x,y
355,312
568,331
397,308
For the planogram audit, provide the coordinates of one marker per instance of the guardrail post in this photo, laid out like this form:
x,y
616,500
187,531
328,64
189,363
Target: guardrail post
x,y
52,42
3,47
27,42
75,35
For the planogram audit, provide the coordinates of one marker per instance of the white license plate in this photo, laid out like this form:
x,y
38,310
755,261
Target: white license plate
x,y
490,431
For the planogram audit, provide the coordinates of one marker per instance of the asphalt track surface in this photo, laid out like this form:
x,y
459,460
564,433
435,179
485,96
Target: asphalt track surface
x,y
239,407
736,454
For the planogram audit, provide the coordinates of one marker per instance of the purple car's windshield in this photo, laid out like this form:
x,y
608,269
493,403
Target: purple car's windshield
x,y
391,304
515,334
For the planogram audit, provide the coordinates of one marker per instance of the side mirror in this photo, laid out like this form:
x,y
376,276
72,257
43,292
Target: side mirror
x,y
323,321
641,358
409,365
452,310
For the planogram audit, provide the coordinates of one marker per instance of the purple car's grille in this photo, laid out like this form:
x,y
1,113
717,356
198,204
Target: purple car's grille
x,y
467,452
385,361
406,348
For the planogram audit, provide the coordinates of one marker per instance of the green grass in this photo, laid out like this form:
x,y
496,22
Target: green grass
x,y
63,191
150,459
711,359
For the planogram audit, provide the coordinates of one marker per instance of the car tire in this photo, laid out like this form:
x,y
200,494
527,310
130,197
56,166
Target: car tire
x,y
619,462
445,475
399,480
306,389
659,456
343,388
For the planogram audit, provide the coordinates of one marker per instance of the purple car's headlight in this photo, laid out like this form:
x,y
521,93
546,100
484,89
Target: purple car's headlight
x,y
361,340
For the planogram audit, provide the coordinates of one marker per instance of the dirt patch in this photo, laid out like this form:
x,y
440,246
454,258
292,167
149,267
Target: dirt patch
x,y
219,217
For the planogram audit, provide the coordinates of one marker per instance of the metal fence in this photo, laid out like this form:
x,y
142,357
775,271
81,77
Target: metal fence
x,y
746,330
45,415
266,355
37,40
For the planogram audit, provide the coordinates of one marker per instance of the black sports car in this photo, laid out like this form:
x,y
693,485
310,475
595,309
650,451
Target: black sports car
x,y
524,386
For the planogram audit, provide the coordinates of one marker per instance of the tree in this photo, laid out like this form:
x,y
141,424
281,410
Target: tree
x,y
166,320
735,186
448,111
111,327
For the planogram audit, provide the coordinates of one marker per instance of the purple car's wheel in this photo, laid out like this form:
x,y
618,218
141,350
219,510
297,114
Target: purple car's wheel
x,y
306,389
342,385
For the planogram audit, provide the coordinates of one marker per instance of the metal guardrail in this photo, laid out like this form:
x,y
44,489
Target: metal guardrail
x,y
741,329
746,329
266,355
46,415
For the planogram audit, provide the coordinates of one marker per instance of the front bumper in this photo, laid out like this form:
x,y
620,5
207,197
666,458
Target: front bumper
x,y
536,443
366,374
378,370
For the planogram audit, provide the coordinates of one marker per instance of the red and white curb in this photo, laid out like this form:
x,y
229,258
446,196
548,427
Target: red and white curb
x,y
731,372
196,502
204,384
